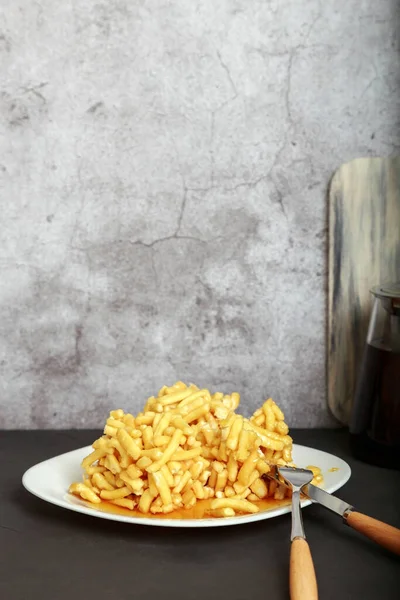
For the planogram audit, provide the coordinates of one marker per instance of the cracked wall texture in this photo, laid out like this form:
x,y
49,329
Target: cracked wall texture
x,y
164,168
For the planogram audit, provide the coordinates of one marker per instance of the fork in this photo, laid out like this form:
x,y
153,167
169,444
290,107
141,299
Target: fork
x,y
303,582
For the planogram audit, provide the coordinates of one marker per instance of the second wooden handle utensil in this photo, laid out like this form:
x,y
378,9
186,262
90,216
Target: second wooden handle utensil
x,y
303,583
383,534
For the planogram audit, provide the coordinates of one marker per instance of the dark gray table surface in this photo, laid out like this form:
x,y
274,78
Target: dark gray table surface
x,y
48,552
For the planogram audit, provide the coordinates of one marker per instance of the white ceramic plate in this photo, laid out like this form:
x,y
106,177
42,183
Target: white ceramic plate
x,y
49,480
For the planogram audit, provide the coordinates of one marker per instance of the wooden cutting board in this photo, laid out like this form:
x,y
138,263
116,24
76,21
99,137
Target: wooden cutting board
x,y
364,250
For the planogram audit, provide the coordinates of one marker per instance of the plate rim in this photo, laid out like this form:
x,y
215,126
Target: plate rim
x,y
83,508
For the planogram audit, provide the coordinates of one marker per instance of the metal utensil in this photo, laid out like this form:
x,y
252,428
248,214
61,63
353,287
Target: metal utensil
x,y
303,583
385,535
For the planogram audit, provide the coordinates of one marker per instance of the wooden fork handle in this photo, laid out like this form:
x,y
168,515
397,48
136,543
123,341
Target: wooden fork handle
x,y
303,583
381,533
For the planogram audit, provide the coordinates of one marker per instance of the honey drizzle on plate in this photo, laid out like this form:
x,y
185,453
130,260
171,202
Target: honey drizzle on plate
x,y
199,511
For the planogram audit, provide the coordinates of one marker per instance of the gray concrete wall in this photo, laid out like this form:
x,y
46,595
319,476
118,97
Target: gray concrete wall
x,y
163,178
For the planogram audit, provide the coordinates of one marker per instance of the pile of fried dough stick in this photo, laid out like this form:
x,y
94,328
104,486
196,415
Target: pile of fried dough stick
x,y
186,446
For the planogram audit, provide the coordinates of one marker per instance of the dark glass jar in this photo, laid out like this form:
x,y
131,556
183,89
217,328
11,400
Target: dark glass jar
x,y
375,419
